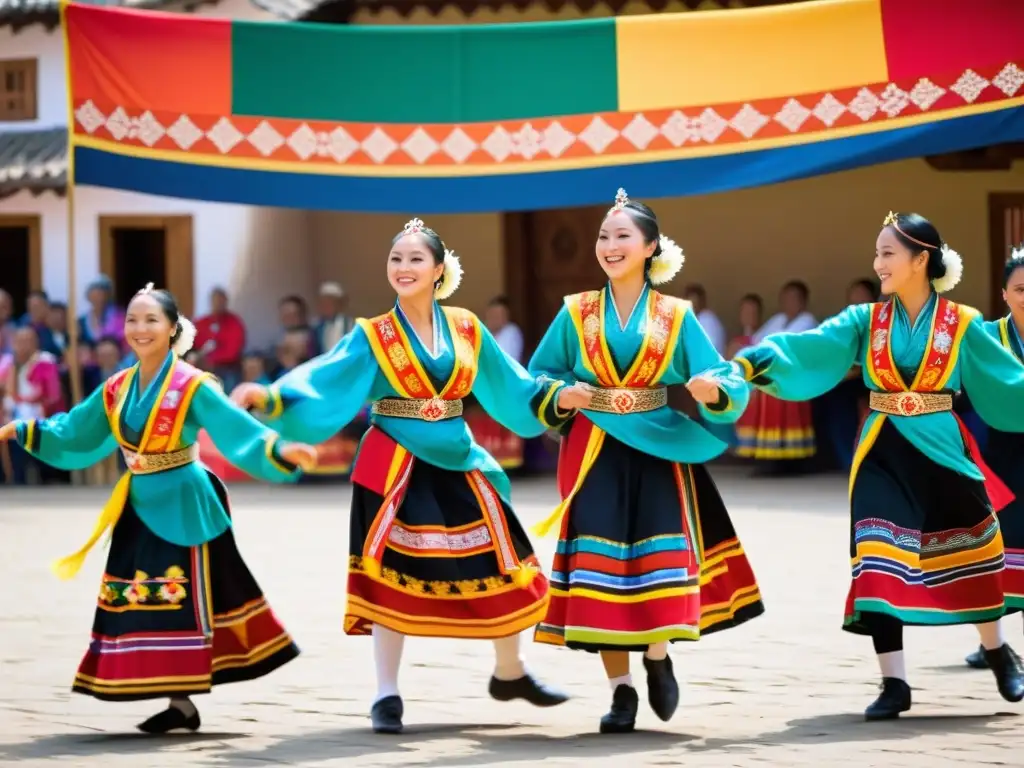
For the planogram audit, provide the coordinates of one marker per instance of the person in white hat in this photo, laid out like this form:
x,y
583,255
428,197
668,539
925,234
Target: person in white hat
x,y
333,323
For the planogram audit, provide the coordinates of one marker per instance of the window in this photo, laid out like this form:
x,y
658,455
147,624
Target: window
x,y
18,89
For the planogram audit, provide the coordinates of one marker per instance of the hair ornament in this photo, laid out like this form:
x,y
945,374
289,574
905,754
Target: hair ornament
x,y
666,264
413,226
148,288
954,265
186,337
451,278
621,201
1016,252
890,220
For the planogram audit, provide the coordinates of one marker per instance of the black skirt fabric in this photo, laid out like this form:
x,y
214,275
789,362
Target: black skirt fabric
x,y
176,621
924,542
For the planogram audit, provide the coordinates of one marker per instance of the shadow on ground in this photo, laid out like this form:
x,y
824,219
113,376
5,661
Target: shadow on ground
x,y
491,743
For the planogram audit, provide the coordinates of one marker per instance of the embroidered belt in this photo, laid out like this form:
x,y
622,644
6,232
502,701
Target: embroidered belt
x,y
431,409
623,400
150,463
910,403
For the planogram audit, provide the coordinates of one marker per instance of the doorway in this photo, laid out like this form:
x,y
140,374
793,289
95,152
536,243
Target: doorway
x,y
1006,231
20,258
549,255
135,250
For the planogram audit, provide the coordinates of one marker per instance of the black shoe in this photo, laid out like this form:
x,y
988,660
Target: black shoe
x,y
894,699
977,659
1006,666
386,715
621,718
171,719
662,688
528,689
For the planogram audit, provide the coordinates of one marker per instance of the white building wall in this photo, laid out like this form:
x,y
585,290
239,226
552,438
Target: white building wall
x,y
258,254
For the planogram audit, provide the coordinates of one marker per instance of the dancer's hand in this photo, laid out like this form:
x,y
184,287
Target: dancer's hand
x,y
704,389
249,396
575,397
301,455
8,431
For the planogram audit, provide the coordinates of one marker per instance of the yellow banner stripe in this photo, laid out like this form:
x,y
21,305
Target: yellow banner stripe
x,y
721,57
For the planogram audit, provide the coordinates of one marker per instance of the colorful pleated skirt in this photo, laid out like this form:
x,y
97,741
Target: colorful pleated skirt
x,y
925,544
1004,454
775,430
646,553
434,552
176,621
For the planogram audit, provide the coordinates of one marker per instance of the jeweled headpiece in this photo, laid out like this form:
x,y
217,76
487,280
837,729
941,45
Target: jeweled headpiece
x,y
890,220
147,289
413,226
621,199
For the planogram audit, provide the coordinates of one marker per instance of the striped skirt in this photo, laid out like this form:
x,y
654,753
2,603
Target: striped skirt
x,y
647,553
925,544
1005,456
775,430
176,621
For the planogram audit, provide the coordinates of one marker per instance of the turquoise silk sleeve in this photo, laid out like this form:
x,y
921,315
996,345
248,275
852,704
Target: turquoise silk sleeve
x,y
311,403
802,366
556,354
701,358
70,441
245,442
522,403
993,377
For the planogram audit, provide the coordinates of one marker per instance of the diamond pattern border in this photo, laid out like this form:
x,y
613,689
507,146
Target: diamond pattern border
x,y
542,139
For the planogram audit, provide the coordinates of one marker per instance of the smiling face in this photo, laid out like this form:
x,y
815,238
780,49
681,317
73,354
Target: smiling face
x,y
897,267
411,267
1013,293
147,328
620,248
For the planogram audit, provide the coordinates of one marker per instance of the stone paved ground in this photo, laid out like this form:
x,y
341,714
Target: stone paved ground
x,y
784,690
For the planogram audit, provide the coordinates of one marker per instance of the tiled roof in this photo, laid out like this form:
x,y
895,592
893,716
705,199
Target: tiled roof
x,y
22,13
341,10
36,160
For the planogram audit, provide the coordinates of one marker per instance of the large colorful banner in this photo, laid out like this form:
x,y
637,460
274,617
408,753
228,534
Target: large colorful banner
x,y
533,115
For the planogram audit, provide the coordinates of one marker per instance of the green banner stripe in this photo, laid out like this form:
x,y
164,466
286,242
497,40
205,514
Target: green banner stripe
x,y
424,74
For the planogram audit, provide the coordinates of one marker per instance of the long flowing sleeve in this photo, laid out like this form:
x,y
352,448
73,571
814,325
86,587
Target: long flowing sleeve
x,y
993,377
700,357
70,441
554,355
519,401
245,442
802,366
314,401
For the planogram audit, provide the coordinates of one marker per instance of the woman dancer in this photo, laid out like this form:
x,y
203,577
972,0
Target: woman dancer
x,y
925,544
178,610
647,554
1004,451
435,548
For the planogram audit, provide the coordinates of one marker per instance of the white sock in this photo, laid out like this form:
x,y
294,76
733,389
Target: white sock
x,y
893,664
657,651
991,635
184,705
615,682
387,655
508,661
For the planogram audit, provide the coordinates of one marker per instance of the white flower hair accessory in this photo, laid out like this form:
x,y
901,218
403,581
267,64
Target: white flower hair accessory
x,y
186,337
1017,253
666,264
954,265
450,278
